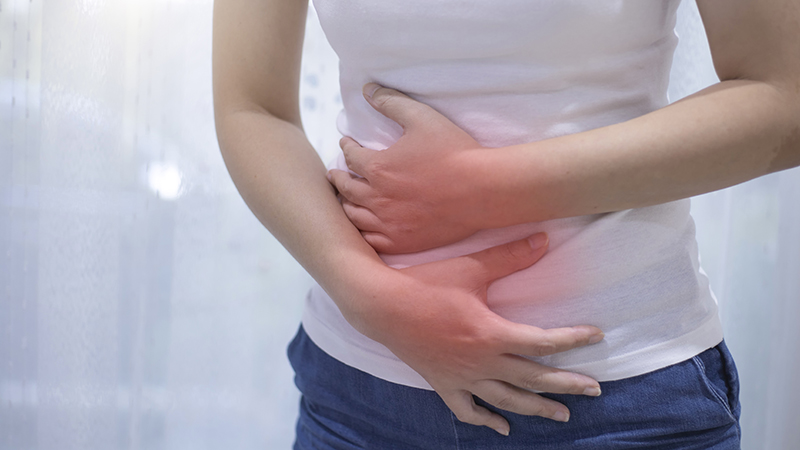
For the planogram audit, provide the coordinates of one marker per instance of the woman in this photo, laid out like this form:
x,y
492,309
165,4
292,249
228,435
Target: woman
x,y
547,117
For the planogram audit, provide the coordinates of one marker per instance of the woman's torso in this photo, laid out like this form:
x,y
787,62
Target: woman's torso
x,y
519,71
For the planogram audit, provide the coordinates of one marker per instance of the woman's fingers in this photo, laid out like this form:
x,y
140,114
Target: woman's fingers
x,y
399,107
361,217
463,406
379,241
505,397
496,262
356,157
526,340
519,401
526,374
351,187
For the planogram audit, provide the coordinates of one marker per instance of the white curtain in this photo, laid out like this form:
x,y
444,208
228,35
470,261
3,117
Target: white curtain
x,y
143,307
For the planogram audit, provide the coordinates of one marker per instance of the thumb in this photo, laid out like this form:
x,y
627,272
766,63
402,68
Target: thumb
x,y
398,106
503,260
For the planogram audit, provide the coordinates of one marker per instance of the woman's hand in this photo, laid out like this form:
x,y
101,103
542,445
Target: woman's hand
x,y
434,317
421,192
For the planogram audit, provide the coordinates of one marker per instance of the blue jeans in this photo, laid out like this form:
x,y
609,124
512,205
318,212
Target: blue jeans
x,y
690,405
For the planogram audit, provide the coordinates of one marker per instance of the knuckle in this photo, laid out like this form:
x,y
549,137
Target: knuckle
x,y
426,114
576,387
506,254
382,204
348,153
506,402
539,409
519,249
375,166
466,416
372,241
545,348
383,97
379,243
481,335
513,252
533,381
344,189
406,227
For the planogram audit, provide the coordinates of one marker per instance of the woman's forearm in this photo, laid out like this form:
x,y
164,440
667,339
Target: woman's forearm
x,y
257,46
436,185
726,134
742,128
433,316
282,180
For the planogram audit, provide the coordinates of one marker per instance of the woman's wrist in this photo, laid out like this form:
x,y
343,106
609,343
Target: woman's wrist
x,y
357,281
498,175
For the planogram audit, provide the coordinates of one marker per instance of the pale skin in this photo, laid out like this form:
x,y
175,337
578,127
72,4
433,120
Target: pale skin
x,y
443,329
437,185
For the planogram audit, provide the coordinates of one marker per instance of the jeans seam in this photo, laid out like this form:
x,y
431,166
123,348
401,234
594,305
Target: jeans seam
x,y
455,430
731,377
722,401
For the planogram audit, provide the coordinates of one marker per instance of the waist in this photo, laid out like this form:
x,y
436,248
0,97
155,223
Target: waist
x,y
634,274
587,254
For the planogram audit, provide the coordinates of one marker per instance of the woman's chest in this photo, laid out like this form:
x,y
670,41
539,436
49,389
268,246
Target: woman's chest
x,y
544,31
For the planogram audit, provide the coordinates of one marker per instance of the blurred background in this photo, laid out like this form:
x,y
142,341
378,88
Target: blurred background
x,y
142,306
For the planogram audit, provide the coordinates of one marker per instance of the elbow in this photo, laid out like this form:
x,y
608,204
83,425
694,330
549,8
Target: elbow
x,y
786,99
233,102
787,153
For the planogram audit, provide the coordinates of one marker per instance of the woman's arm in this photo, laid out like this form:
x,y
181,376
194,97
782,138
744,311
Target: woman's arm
x,y
434,316
746,126
256,71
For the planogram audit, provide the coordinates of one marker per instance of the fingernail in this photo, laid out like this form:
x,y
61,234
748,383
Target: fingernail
x,y
592,391
329,176
502,430
561,416
596,338
370,89
538,240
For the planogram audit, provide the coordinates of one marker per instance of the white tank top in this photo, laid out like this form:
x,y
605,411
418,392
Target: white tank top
x,y
516,71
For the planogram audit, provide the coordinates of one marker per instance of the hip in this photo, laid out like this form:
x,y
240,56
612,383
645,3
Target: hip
x,y
689,405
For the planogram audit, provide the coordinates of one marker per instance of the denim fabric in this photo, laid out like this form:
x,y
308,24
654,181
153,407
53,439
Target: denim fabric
x,y
690,405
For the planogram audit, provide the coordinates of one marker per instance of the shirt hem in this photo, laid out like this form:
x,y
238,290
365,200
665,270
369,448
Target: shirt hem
x,y
639,362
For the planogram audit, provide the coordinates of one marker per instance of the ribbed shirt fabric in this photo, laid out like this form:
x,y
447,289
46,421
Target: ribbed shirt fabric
x,y
516,71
